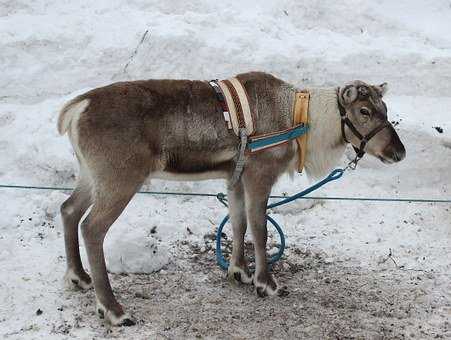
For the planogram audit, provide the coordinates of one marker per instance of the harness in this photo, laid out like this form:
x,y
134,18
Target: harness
x,y
360,151
239,117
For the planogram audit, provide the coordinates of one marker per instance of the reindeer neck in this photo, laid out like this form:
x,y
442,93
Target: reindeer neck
x,y
325,144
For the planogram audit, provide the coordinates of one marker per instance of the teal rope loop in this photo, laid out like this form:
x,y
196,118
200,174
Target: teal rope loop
x,y
222,262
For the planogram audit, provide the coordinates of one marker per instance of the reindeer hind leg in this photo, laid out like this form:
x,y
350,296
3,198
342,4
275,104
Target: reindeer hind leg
x,y
72,210
109,202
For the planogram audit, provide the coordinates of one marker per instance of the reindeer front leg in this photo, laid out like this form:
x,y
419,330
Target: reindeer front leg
x,y
238,268
257,190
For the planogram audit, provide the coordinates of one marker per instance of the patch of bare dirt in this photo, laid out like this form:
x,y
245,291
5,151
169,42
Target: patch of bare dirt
x,y
192,298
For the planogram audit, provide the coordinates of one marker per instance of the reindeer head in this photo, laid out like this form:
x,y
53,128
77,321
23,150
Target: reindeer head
x,y
365,121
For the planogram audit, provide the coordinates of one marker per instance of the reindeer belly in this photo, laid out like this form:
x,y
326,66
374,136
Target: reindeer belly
x,y
193,165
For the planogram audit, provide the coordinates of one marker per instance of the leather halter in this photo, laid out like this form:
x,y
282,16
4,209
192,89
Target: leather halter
x,y
360,151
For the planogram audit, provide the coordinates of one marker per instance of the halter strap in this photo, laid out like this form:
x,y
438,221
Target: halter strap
x,y
360,151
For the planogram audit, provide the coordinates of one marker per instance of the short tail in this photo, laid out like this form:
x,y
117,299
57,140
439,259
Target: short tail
x,y
72,109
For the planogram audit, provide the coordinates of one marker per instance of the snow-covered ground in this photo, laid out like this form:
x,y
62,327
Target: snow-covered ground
x,y
342,281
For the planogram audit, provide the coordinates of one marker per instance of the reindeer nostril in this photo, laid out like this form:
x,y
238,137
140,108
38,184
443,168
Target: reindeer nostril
x,y
399,155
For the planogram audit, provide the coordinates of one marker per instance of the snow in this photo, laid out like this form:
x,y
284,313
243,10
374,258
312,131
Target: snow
x,y
53,50
131,250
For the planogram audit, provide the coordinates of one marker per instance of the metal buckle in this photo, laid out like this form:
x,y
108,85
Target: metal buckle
x,y
352,165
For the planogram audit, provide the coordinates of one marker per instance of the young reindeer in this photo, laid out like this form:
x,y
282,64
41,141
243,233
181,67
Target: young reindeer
x,y
127,132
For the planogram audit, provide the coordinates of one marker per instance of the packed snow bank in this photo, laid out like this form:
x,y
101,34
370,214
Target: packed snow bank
x,y
134,250
65,46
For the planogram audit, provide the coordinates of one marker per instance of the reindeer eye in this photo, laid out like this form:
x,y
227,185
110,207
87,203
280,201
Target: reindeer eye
x,y
364,111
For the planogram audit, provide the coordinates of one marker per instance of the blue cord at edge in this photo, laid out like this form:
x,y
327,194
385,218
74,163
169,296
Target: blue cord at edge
x,y
334,175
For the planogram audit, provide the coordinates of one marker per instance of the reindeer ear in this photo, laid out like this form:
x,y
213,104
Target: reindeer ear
x,y
348,94
382,88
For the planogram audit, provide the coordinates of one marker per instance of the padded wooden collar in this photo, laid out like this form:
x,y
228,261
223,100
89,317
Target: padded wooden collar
x,y
300,115
240,114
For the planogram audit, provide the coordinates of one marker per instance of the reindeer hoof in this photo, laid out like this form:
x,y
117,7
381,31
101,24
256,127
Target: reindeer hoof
x,y
115,317
261,292
77,281
127,322
237,274
265,285
100,313
124,320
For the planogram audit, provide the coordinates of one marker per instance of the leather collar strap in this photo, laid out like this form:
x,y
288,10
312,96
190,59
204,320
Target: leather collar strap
x,y
300,116
235,105
241,115
360,151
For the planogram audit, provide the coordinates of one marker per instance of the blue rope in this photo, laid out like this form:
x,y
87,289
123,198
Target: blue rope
x,y
334,175
222,262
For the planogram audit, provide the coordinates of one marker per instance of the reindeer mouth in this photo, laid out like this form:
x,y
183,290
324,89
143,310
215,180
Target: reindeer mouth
x,y
394,157
386,160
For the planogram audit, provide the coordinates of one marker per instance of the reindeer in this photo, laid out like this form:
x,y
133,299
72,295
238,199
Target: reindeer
x,y
128,132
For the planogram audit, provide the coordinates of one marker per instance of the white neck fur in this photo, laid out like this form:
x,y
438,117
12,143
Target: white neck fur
x,y
325,144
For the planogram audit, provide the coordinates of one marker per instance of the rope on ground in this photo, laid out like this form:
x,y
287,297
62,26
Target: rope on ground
x,y
199,194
